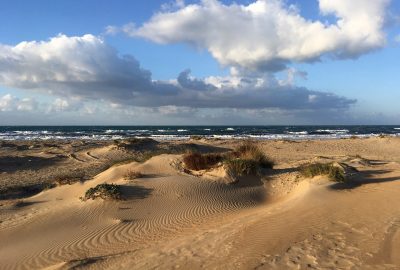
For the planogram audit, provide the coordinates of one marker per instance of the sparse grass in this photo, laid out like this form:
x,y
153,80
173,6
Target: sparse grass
x,y
67,180
103,191
250,151
196,137
47,186
334,173
197,161
132,175
247,159
242,167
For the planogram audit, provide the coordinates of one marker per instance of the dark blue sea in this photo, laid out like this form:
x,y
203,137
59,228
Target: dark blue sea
x,y
184,132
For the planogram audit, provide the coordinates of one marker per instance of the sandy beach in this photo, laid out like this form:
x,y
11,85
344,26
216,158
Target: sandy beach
x,y
170,217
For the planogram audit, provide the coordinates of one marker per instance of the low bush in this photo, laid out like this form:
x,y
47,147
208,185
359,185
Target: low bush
x,y
197,161
334,173
242,167
132,175
103,191
250,151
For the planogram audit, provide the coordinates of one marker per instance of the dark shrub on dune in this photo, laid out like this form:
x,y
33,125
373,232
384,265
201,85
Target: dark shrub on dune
x,y
197,161
103,191
247,159
132,175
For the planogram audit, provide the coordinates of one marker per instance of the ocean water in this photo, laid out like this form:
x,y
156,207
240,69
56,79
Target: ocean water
x,y
184,132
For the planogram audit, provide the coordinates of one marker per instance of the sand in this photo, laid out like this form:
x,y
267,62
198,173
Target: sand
x,y
171,219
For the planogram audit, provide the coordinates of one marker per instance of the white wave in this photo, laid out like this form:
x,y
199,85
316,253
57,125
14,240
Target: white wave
x,y
182,130
230,129
297,132
333,130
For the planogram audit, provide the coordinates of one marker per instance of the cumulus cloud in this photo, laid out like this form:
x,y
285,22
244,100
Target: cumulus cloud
x,y
11,103
75,66
85,69
268,34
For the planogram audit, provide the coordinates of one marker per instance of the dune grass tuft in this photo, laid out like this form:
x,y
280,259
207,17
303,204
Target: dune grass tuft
x,y
197,161
103,191
132,175
241,167
334,173
250,151
246,159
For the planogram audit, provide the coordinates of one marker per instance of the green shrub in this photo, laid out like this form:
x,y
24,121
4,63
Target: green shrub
x,y
334,173
103,191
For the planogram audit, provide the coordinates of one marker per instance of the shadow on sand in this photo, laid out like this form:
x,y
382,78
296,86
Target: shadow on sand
x,y
365,178
135,192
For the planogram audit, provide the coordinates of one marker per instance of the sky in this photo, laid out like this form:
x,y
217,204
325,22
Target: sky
x,y
261,62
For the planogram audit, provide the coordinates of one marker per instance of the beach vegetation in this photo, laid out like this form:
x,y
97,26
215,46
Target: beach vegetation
x,y
241,167
246,159
132,175
198,161
335,173
103,191
250,151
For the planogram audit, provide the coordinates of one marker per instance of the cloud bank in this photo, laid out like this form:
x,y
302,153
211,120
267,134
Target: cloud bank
x,y
266,35
87,69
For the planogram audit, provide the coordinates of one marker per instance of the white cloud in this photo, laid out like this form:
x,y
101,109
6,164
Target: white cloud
x,y
268,34
78,70
11,103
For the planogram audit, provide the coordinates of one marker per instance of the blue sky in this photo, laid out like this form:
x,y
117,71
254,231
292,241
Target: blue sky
x,y
358,81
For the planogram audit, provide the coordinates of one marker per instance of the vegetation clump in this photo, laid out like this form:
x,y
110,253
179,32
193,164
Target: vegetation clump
x,y
335,173
197,161
250,151
132,175
241,167
247,159
103,191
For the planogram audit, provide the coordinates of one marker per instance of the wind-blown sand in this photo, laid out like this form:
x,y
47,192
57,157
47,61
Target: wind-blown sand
x,y
171,219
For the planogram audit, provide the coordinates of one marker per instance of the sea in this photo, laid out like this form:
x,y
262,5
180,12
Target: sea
x,y
11,133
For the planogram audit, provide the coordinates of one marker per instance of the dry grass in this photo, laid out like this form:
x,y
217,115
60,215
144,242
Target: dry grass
x,y
197,161
334,173
241,167
247,159
250,151
132,175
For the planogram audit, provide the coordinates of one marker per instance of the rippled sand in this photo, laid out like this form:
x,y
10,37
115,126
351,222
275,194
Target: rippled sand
x,y
172,219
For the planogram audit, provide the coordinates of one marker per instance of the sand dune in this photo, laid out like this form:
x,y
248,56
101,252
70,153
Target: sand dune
x,y
170,219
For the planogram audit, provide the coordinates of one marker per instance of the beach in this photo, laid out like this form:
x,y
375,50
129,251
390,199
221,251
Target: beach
x,y
167,216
